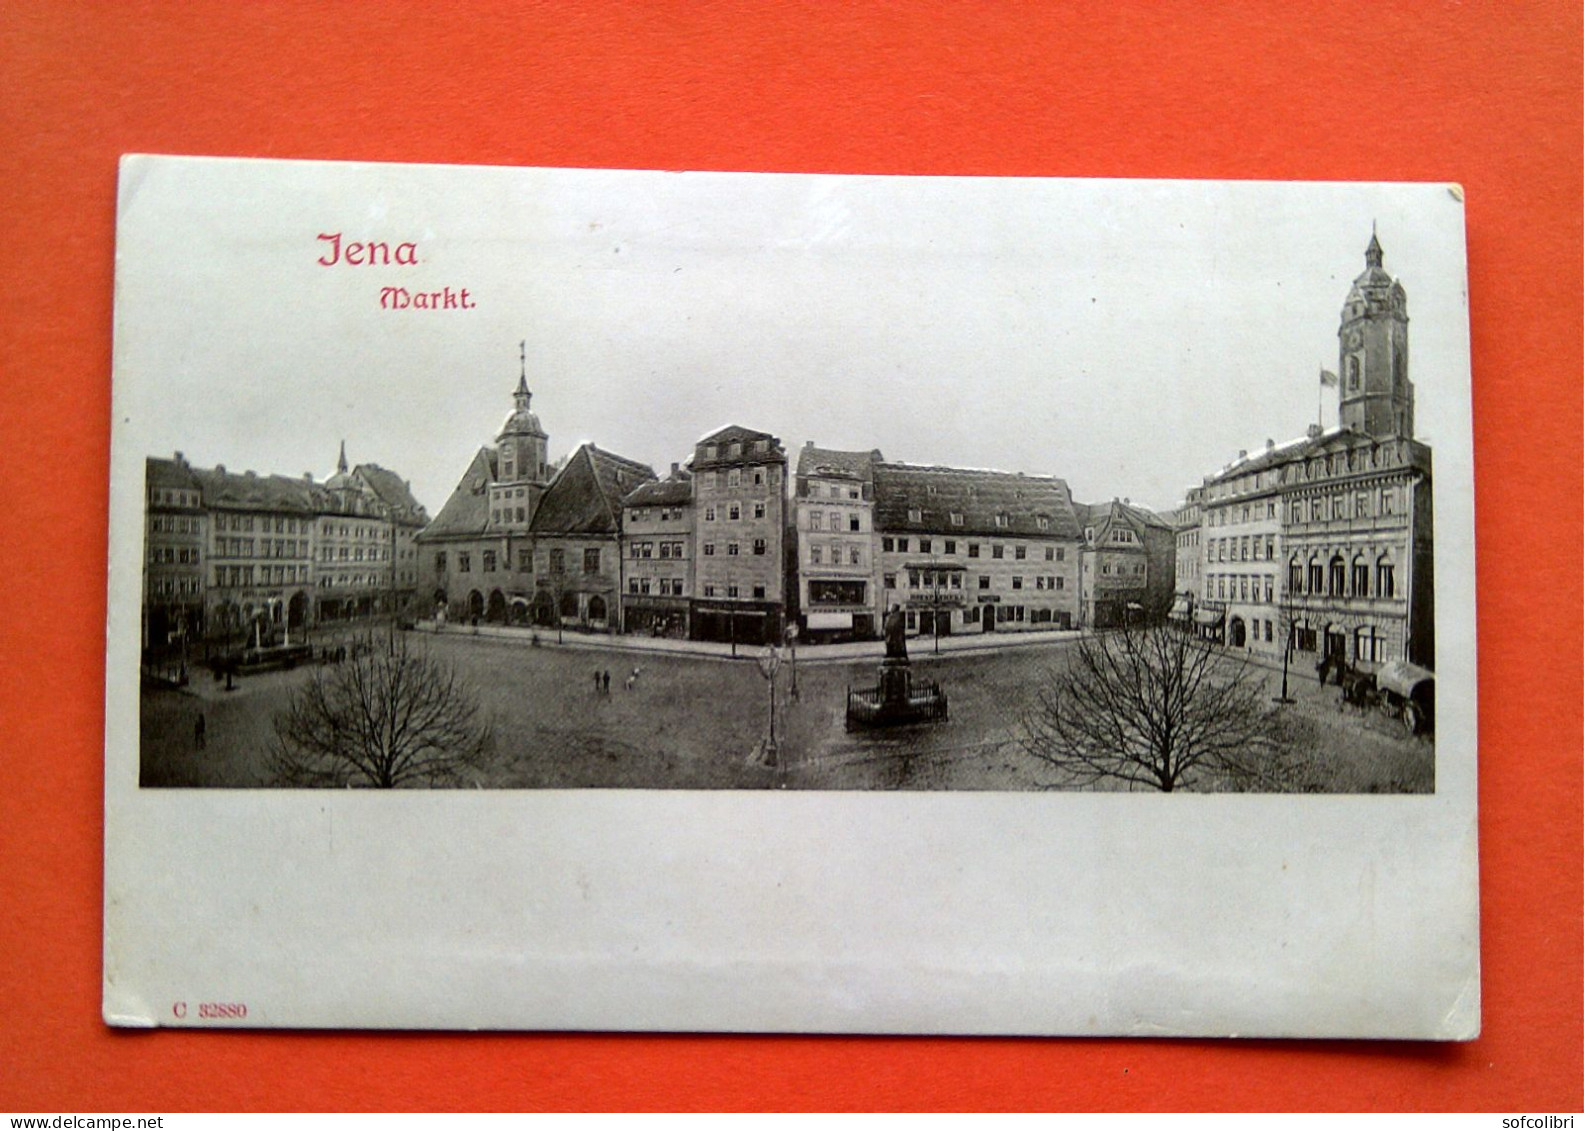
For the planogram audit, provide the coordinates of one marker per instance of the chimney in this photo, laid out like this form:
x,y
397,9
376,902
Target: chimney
x,y
1242,453
1270,445
676,468
307,477
1315,431
808,443
181,460
220,469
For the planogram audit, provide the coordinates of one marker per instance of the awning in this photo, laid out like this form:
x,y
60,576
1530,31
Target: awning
x,y
1181,609
1209,616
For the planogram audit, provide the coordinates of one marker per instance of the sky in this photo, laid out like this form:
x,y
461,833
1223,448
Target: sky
x,y
1130,337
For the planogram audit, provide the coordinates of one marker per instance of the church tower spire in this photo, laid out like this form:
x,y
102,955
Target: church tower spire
x,y
341,463
522,396
1377,398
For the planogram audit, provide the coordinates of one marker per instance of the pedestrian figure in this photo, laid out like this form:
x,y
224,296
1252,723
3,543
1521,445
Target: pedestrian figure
x,y
596,681
200,731
606,681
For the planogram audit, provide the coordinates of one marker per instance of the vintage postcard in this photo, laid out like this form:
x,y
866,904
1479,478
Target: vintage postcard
x,y
697,601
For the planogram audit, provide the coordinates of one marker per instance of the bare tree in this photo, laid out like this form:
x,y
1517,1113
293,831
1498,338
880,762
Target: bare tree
x,y
1153,706
381,718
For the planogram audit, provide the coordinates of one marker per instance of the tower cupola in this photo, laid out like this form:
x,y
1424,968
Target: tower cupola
x,y
1377,398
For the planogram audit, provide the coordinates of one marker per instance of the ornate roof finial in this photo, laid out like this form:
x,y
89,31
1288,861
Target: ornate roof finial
x,y
522,396
1373,254
341,464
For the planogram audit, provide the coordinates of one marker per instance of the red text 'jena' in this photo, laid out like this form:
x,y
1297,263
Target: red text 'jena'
x,y
373,254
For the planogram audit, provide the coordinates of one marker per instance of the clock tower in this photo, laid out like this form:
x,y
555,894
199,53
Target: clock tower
x,y
1377,399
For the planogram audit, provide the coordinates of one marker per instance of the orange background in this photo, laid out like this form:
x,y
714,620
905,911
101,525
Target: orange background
x,y
1485,94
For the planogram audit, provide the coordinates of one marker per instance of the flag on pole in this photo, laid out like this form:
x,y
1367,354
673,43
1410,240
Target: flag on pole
x,y
1328,379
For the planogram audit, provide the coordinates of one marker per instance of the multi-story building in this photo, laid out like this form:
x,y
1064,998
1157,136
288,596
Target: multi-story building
x,y
519,541
976,551
657,556
1325,544
1239,603
1358,530
476,559
838,595
1188,565
739,513
364,560
175,536
1128,564
251,559
576,532
261,576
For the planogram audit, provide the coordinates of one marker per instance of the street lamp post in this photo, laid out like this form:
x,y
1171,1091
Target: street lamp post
x,y
935,600
769,664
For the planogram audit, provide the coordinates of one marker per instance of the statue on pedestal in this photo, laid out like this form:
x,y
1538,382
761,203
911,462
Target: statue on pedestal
x,y
896,634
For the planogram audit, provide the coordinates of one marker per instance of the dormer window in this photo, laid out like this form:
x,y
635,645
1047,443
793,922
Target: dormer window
x,y
1042,522
1003,519
956,518
915,515
709,451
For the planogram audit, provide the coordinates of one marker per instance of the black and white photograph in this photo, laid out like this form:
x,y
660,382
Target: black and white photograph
x,y
799,483
659,522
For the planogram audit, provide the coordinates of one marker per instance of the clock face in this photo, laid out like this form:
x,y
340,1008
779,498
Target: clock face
x,y
1353,339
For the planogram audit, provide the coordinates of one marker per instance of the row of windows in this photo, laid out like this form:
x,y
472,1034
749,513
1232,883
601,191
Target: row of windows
x,y
733,512
1248,512
667,586
346,554
737,477
949,548
230,577
733,549
174,524
490,561
174,498
350,581
175,587
1000,518
262,548
732,591
172,555
664,514
853,554
1339,578
499,515
1244,548
835,491
1327,508
362,531
1369,643
735,448
1119,569
954,579
667,549
1240,587
852,523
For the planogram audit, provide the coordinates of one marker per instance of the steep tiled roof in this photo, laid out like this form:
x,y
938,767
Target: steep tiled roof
x,y
247,491
736,433
169,473
392,490
467,510
585,497
1101,517
978,496
1333,440
675,490
836,464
